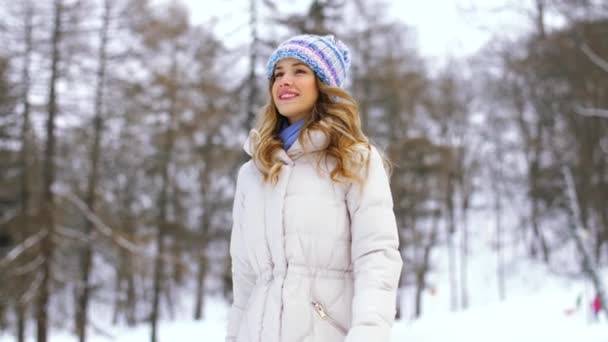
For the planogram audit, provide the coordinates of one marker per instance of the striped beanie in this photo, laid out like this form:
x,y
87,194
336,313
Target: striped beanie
x,y
327,56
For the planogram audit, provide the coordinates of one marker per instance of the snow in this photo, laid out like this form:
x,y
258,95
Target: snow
x,y
538,316
540,305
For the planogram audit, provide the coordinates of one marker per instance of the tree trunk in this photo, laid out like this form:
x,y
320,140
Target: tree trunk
x,y
418,296
496,187
366,85
160,251
421,273
87,255
2,318
540,18
589,268
418,265
205,223
253,56
21,319
124,265
162,202
200,279
47,247
534,165
131,303
534,175
117,291
451,229
464,253
399,314
26,153
124,287
500,272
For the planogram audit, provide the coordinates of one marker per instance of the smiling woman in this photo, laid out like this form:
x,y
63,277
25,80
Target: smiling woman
x,y
294,89
314,244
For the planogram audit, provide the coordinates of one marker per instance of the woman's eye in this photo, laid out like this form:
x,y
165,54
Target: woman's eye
x,y
278,74
300,71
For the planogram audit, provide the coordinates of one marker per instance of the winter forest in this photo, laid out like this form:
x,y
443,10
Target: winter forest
x,y
121,132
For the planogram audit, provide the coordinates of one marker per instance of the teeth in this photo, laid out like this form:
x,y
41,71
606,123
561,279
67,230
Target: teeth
x,y
287,96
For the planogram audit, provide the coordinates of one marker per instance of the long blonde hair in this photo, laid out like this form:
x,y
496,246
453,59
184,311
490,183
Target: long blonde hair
x,y
337,115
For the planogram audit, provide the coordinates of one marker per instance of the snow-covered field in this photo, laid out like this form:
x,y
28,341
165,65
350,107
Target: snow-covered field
x,y
544,313
540,306
532,318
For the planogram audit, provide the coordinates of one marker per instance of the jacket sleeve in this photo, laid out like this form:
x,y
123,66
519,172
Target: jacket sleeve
x,y
374,254
243,276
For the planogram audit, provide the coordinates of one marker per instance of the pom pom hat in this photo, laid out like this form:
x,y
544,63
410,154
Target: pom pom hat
x,y
327,56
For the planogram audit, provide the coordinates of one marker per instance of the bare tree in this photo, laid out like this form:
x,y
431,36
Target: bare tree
x,y
48,207
588,267
83,292
26,156
253,60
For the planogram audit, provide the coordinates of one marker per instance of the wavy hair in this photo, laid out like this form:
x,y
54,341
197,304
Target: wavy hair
x,y
336,114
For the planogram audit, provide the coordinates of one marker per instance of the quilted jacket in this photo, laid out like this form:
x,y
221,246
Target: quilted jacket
x,y
313,260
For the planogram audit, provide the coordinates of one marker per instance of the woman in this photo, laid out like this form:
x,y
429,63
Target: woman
x,y
314,245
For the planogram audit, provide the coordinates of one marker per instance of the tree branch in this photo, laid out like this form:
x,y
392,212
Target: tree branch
x,y
31,292
22,247
73,234
105,229
97,222
29,267
594,57
597,112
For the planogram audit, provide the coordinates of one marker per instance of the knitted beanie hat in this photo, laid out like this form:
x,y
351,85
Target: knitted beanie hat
x,y
327,56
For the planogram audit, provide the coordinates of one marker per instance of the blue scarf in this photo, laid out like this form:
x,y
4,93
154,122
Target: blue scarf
x,y
289,133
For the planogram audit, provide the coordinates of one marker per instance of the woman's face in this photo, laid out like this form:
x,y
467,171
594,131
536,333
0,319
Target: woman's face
x,y
294,90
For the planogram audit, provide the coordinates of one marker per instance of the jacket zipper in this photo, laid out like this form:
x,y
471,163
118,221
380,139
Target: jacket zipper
x,y
320,310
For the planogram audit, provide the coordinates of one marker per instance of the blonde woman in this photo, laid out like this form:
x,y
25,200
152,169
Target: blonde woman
x,y
314,245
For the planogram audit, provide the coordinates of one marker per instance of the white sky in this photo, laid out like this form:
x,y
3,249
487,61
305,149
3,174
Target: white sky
x,y
442,29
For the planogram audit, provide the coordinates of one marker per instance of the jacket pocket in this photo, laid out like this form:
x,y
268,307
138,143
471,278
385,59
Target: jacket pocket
x,y
320,310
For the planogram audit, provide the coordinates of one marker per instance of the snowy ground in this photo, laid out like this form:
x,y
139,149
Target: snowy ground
x,y
533,318
539,307
541,316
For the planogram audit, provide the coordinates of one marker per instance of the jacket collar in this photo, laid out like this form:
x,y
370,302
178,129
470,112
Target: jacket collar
x,y
310,141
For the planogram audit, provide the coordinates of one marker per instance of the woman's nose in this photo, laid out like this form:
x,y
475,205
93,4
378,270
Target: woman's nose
x,y
285,81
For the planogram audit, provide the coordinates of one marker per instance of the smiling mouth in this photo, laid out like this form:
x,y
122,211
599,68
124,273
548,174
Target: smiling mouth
x,y
285,97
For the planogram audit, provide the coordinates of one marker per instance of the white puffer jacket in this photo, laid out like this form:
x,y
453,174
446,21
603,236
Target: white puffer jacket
x,y
313,260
